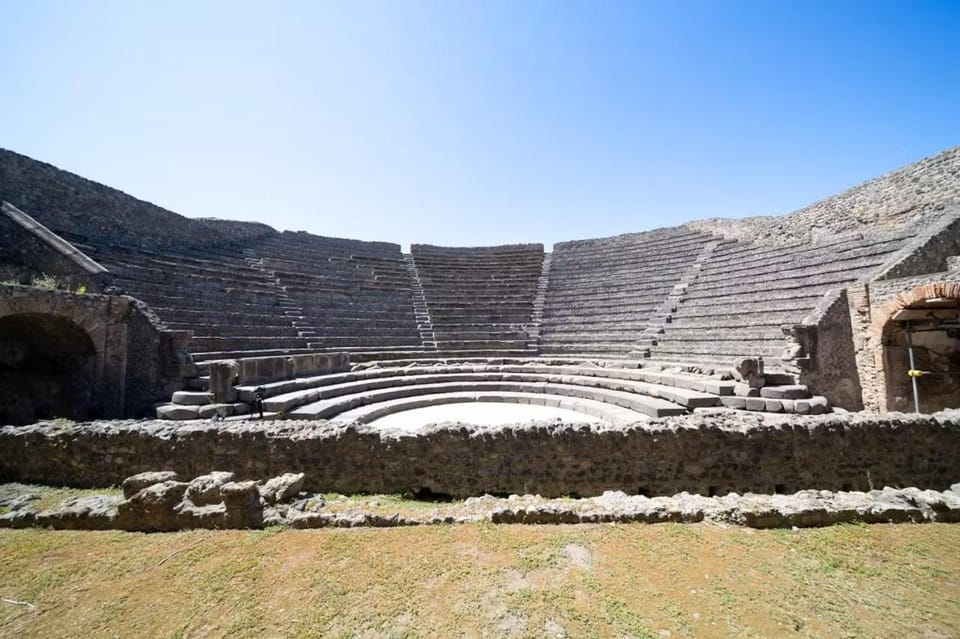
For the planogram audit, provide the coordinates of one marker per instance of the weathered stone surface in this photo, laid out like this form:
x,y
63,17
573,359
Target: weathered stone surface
x,y
223,377
152,509
95,512
178,412
135,483
205,489
192,398
742,389
552,459
282,488
744,368
795,391
244,508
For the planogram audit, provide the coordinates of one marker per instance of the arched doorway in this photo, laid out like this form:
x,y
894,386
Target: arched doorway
x,y
921,352
48,368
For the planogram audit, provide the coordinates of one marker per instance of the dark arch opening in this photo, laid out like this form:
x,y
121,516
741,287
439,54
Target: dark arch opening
x,y
47,369
932,327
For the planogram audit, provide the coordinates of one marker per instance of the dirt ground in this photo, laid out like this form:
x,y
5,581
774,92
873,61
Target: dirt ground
x,y
485,580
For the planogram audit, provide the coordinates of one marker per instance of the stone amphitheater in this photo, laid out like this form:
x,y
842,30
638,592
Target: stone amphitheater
x,y
816,350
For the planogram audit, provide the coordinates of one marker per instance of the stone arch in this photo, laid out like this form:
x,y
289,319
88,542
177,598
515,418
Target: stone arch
x,y
71,347
47,369
937,350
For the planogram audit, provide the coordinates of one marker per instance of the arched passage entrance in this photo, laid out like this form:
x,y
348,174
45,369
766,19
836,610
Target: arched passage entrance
x,y
922,334
48,368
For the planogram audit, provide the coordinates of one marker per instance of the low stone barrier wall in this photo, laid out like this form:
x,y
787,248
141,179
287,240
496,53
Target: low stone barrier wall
x,y
256,370
707,454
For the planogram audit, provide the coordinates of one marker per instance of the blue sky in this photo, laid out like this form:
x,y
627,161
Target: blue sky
x,y
479,123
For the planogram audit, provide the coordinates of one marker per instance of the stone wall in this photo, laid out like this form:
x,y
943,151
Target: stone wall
x,y
888,201
705,454
26,243
83,210
831,366
130,362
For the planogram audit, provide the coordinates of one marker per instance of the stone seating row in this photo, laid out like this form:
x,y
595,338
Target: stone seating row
x,y
477,299
733,256
654,393
602,294
745,292
615,416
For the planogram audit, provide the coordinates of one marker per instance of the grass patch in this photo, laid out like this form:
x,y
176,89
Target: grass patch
x,y
485,580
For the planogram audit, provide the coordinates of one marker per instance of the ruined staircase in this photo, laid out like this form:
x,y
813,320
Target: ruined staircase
x,y
658,321
420,311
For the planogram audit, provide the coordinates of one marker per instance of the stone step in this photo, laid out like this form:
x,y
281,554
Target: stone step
x,y
614,415
331,407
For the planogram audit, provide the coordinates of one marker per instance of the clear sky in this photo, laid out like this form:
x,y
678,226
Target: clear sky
x,y
471,123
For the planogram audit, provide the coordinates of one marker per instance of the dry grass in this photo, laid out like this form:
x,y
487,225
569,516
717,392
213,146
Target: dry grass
x,y
486,581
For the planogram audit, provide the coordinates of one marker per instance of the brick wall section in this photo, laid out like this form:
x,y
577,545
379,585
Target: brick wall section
x,y
697,453
138,363
832,371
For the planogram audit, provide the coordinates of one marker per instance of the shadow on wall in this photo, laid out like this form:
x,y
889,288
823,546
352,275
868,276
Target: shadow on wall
x,y
47,369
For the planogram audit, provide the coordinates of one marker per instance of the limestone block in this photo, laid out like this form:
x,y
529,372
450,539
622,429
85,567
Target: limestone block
x,y
794,391
175,411
153,507
773,406
135,483
744,368
282,488
818,405
223,376
734,402
192,398
92,512
742,389
243,504
205,489
756,403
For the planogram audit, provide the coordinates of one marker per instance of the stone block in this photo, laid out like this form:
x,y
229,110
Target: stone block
x,y
282,488
773,405
223,376
794,391
153,507
734,402
744,368
175,411
135,483
742,389
819,405
756,403
243,504
205,489
192,398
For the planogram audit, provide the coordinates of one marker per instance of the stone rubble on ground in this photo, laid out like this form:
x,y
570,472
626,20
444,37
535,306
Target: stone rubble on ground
x,y
167,505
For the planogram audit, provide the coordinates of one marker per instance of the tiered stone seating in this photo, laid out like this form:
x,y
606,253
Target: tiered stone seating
x,y
230,306
350,295
480,299
746,291
602,293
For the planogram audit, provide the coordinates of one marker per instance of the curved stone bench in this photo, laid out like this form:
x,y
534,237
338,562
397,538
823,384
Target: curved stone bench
x,y
328,408
614,415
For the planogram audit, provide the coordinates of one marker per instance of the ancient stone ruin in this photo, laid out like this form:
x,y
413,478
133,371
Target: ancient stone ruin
x,y
770,354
